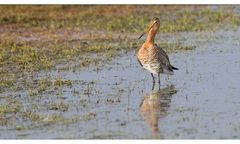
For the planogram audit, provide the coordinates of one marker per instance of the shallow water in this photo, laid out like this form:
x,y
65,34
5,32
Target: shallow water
x,y
201,101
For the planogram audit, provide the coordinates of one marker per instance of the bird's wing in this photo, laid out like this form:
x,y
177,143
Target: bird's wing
x,y
162,56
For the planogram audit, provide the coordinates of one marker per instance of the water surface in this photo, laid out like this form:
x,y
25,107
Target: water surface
x,y
201,101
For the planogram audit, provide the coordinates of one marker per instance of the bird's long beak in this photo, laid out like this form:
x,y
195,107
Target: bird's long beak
x,y
147,29
141,35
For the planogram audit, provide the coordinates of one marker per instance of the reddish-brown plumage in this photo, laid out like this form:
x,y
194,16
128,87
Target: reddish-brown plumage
x,y
151,57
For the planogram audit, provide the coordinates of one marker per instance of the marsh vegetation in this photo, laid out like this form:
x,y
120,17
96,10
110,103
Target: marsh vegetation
x,y
72,67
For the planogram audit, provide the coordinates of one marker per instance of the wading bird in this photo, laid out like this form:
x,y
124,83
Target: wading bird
x,y
153,58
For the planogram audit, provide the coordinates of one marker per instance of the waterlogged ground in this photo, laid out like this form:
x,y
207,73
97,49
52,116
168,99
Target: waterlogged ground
x,y
115,100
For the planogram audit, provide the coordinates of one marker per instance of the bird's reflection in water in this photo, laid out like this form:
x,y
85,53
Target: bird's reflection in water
x,y
154,106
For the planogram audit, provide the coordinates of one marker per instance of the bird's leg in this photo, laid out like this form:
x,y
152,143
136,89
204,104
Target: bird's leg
x,y
153,81
159,80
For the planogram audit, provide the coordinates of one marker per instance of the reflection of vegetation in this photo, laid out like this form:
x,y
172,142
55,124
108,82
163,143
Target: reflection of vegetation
x,y
43,107
36,119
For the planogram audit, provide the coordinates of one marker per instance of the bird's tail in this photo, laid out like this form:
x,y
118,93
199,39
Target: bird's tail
x,y
174,68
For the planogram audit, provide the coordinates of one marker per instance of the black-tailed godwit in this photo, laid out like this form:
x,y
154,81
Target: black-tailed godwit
x,y
153,58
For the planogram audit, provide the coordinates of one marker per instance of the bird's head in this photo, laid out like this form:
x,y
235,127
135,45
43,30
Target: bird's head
x,y
153,26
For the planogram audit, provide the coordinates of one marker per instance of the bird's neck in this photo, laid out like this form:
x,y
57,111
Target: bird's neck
x,y
151,36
